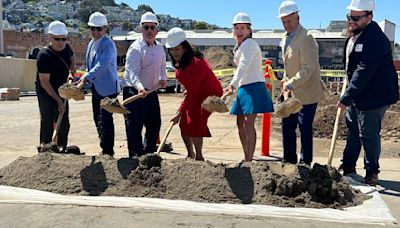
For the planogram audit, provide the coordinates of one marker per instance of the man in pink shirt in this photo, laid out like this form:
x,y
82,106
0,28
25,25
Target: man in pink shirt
x,y
144,71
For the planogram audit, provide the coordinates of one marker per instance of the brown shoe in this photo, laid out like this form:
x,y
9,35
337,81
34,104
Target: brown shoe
x,y
371,179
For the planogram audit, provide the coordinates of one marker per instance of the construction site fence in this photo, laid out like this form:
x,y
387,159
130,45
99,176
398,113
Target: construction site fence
x,y
21,73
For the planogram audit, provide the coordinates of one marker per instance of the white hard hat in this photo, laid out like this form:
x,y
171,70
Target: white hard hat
x,y
148,17
97,19
362,5
241,18
287,8
175,36
57,28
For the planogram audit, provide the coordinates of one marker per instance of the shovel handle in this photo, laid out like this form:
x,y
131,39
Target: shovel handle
x,y
224,95
336,126
58,123
135,97
160,146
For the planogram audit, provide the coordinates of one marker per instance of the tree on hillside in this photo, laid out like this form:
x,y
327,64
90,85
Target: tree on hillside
x,y
144,8
88,7
125,6
201,25
107,2
127,26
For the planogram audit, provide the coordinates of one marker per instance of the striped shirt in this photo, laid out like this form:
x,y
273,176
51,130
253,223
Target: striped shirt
x,y
145,65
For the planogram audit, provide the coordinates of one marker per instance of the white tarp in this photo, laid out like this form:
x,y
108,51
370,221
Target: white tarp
x,y
373,210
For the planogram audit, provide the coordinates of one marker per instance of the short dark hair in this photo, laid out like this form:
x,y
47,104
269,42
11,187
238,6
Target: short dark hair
x,y
187,57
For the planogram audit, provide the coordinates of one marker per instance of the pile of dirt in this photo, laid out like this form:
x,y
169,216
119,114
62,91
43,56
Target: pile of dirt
x,y
219,58
325,118
149,176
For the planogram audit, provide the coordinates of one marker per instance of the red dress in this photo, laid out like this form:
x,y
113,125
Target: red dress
x,y
200,82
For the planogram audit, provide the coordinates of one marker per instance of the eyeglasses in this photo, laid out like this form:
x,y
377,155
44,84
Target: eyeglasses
x,y
96,29
59,39
355,18
152,27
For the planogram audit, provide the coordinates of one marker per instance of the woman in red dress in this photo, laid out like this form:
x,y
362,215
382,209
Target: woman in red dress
x,y
195,74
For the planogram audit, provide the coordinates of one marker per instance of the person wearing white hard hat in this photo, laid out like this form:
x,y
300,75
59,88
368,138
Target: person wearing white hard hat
x,y
195,73
145,70
372,88
301,80
252,95
54,63
101,78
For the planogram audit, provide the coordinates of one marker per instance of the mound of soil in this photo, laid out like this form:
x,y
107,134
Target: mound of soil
x,y
149,176
325,118
219,58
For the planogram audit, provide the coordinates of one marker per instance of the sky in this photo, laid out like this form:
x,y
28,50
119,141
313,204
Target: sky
x,y
313,13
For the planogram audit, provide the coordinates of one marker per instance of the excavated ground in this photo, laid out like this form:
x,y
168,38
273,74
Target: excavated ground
x,y
150,176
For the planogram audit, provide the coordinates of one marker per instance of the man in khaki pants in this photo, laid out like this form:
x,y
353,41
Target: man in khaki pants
x,y
302,79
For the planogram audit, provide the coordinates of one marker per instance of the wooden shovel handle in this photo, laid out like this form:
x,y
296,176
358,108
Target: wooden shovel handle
x,y
135,97
336,126
160,146
224,95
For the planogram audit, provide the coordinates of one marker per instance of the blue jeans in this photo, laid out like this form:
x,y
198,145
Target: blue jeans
x,y
304,118
364,129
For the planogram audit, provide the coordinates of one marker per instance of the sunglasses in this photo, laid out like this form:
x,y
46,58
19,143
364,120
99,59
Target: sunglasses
x,y
355,18
146,27
59,39
96,29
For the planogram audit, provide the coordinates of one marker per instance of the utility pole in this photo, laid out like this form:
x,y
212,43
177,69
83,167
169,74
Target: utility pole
x,y
1,27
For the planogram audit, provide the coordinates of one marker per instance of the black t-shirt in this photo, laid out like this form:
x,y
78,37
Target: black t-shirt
x,y
49,63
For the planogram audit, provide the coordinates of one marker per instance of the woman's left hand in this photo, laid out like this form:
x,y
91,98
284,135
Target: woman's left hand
x,y
176,118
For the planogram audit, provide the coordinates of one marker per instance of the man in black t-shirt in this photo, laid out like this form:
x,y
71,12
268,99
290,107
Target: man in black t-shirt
x,y
53,63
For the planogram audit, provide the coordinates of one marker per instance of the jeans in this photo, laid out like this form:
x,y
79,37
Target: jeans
x,y
104,123
304,119
364,129
143,112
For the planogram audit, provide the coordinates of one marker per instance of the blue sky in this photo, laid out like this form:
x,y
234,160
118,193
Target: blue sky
x,y
313,13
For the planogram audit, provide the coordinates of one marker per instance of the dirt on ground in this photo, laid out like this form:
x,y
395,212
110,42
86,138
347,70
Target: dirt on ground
x,y
150,176
325,118
219,58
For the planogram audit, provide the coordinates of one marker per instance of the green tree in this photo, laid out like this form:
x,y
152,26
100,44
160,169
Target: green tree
x,y
107,2
201,25
144,8
127,26
88,7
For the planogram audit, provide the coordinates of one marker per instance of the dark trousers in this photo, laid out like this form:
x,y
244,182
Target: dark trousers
x,y
304,119
364,129
48,108
143,112
104,123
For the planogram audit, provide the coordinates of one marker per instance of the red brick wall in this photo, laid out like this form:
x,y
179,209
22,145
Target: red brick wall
x,y
20,43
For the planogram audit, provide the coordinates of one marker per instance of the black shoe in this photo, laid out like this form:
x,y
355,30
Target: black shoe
x,y
371,179
347,170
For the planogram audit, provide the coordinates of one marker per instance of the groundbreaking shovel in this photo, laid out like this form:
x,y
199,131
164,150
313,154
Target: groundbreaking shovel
x,y
161,145
135,97
336,126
